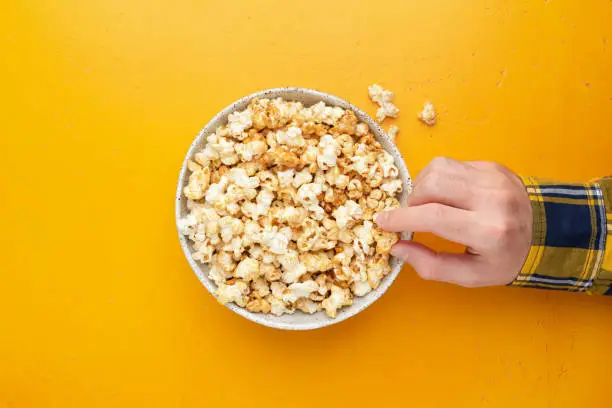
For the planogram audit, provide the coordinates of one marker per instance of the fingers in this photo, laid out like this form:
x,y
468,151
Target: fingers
x,y
447,222
460,269
449,189
443,181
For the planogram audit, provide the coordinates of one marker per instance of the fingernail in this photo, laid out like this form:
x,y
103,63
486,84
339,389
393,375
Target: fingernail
x,y
399,251
380,217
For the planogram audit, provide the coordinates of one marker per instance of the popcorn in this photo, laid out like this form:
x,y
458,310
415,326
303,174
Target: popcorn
x,y
328,152
316,261
307,306
292,137
218,275
301,178
198,183
278,307
251,150
224,149
298,290
363,239
379,95
260,288
224,261
307,239
264,201
236,293
247,269
392,187
339,297
377,269
393,132
291,266
362,129
285,178
428,114
276,240
186,224
361,161
387,165
346,213
258,306
270,272
361,288
216,191
293,216
240,178
355,189
384,100
386,110
278,289
238,122
307,195
280,203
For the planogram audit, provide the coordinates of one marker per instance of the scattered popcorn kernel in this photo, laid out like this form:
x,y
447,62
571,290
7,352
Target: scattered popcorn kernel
x,y
386,110
393,132
428,114
379,95
383,99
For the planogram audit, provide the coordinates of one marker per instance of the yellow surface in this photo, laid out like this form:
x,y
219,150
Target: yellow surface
x,y
98,307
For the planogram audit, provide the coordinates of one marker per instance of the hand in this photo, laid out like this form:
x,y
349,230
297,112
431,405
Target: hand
x,y
481,205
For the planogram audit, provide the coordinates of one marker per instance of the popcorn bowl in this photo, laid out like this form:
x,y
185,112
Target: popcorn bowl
x,y
298,320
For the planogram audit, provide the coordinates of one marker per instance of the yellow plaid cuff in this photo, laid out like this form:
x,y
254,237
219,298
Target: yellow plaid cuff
x,y
570,248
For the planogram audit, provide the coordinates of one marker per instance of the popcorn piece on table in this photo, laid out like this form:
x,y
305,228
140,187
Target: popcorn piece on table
x,y
383,98
380,95
393,132
386,110
428,114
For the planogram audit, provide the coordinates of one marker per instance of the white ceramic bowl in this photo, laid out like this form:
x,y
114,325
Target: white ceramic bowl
x,y
298,320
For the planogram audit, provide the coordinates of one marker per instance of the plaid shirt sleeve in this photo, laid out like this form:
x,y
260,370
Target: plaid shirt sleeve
x,y
571,248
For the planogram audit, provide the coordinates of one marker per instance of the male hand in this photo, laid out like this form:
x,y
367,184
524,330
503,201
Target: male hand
x,y
481,205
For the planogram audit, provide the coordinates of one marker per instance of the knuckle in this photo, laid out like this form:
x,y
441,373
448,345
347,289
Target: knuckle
x,y
429,183
492,166
505,198
501,229
440,162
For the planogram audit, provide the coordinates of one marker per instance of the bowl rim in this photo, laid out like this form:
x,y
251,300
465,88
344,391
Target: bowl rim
x,y
269,320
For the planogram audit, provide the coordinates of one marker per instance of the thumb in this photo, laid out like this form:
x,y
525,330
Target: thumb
x,y
460,269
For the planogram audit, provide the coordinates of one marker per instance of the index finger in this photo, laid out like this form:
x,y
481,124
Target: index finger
x,y
447,222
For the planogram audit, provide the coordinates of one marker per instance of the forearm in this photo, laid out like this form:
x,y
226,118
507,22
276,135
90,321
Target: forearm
x,y
571,246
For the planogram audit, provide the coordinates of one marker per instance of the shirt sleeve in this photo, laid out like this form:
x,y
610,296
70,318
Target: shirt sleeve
x,y
571,247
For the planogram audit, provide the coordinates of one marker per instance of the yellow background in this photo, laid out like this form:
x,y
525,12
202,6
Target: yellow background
x,y
100,101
